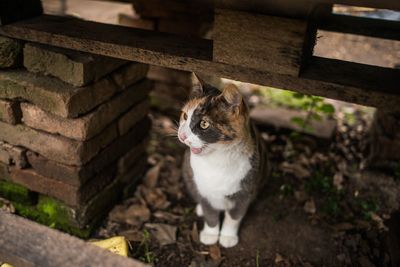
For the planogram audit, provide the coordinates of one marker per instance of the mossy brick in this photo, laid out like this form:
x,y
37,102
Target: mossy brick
x,y
71,195
58,148
17,193
55,96
10,52
91,124
54,214
73,67
79,175
80,221
10,111
13,155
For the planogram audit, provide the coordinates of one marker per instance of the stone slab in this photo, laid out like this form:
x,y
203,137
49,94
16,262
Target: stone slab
x,y
4,172
10,52
78,175
86,127
57,97
10,111
282,118
13,155
57,148
73,67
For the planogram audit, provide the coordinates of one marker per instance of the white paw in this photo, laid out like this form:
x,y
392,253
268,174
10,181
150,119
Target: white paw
x,y
228,241
208,239
199,210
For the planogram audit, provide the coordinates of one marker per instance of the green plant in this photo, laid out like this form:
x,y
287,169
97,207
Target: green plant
x,y
368,206
286,190
143,251
258,258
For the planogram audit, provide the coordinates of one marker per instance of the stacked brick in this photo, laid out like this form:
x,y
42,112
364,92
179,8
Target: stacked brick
x,y
385,141
73,130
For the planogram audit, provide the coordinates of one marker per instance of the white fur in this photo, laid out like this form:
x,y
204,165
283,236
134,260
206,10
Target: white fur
x,y
184,127
199,210
218,173
229,232
209,235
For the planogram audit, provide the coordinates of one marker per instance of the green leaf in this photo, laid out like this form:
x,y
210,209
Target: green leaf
x,y
298,121
327,108
298,95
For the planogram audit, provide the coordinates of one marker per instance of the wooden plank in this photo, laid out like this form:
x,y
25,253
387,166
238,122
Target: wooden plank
x,y
15,10
259,42
362,26
100,38
25,243
190,54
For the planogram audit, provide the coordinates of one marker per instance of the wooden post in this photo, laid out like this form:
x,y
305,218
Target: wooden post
x,y
15,10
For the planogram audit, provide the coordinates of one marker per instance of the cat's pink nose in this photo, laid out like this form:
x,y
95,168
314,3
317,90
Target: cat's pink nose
x,y
183,136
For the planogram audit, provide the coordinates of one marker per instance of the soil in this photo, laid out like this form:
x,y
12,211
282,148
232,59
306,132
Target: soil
x,y
319,207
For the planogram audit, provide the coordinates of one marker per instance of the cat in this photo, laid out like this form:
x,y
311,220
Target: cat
x,y
225,164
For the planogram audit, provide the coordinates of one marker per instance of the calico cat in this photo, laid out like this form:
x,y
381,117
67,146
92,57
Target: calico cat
x,y
225,165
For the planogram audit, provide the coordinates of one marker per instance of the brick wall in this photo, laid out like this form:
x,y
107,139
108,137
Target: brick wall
x,y
73,131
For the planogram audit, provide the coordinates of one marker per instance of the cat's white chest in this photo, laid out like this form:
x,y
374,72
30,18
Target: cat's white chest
x,y
218,175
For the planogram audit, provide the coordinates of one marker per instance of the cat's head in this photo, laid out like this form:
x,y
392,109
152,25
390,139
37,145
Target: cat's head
x,y
212,119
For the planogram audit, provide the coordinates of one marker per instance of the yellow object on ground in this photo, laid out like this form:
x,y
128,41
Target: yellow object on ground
x,y
117,245
5,265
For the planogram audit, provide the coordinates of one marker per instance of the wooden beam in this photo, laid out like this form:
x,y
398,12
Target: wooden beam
x,y
15,10
260,42
362,26
26,243
191,54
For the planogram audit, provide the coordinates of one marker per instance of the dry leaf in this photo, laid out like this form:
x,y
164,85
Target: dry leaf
x,y
295,169
195,233
164,215
132,235
301,196
215,252
165,234
309,206
278,258
152,175
134,215
155,198
338,180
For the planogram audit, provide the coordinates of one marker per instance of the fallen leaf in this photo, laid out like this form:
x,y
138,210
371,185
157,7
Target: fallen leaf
x,y
301,196
195,233
134,215
132,235
155,198
164,215
215,252
296,169
345,226
117,245
338,180
165,234
309,206
152,175
278,258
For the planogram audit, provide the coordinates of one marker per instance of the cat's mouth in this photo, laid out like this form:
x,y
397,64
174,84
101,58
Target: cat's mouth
x,y
196,150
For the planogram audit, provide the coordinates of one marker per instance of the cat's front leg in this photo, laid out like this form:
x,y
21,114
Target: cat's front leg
x,y
229,233
210,233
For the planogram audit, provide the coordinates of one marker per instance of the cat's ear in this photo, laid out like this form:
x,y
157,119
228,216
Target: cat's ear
x,y
232,95
202,88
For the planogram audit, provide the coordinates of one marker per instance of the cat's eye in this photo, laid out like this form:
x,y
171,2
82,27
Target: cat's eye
x,y
184,116
204,124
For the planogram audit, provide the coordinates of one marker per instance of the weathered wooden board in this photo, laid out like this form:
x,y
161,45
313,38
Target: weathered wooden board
x,y
193,54
15,10
260,42
362,26
25,243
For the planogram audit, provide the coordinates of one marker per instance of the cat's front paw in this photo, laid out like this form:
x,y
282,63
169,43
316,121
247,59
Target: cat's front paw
x,y
199,210
208,238
228,241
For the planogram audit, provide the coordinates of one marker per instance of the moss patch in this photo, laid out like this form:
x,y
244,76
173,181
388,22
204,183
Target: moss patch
x,y
17,193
